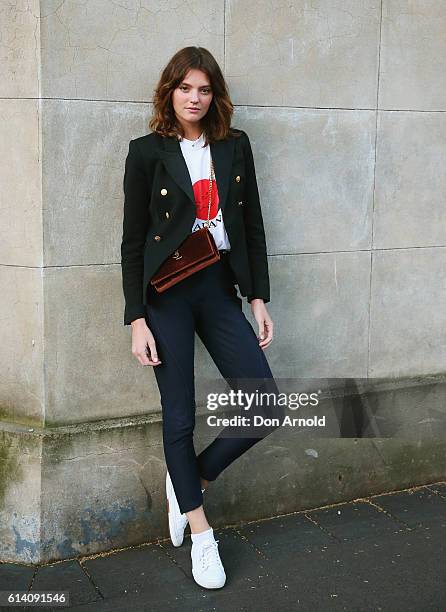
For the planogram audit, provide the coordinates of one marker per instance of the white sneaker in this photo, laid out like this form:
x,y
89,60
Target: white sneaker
x,y
177,520
207,568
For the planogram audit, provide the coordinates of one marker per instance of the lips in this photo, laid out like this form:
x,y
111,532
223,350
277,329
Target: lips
x,y
193,109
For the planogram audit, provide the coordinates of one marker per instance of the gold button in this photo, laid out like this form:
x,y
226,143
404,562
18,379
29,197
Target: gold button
x,y
237,178
164,191
157,238
167,214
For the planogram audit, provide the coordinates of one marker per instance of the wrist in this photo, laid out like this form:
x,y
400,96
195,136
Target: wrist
x,y
138,322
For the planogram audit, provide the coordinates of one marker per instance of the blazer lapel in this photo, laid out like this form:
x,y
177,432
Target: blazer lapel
x,y
222,153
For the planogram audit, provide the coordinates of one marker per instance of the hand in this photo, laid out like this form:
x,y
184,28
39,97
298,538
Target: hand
x,y
264,322
143,343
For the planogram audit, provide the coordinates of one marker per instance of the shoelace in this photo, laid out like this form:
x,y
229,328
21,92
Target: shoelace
x,y
209,555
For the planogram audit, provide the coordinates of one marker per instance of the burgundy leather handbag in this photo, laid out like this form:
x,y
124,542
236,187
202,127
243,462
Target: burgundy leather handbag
x,y
195,253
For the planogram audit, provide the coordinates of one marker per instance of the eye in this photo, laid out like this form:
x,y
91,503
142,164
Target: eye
x,y
205,90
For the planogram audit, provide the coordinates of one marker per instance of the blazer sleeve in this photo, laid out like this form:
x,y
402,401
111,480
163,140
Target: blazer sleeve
x,y
134,232
255,232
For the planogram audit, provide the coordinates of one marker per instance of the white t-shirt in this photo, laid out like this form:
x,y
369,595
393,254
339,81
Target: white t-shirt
x,y
198,162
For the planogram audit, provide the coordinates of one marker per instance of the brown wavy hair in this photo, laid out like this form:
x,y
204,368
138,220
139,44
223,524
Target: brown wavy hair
x,y
216,123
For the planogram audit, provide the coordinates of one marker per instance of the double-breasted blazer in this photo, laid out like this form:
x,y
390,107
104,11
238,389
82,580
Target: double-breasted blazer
x,y
159,212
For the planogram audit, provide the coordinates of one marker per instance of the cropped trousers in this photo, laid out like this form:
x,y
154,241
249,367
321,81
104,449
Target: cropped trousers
x,y
206,303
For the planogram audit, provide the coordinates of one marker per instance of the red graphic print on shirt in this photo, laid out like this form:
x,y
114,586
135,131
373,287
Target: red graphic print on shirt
x,y
201,193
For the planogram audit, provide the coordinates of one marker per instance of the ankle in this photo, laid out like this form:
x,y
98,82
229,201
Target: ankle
x,y
203,536
199,527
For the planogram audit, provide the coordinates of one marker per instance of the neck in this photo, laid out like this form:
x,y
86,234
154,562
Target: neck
x,y
192,136
192,132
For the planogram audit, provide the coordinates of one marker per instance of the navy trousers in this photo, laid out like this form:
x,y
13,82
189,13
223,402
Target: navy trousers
x,y
206,303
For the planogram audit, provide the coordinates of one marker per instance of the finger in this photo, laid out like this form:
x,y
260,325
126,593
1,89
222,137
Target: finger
x,y
262,331
143,358
152,354
151,349
146,361
263,347
267,341
154,363
267,331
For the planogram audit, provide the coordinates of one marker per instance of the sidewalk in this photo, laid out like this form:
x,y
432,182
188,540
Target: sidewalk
x,y
386,552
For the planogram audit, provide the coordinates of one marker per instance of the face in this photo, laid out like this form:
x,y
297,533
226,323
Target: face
x,y
194,92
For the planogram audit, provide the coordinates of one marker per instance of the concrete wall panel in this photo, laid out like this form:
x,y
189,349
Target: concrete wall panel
x,y
91,373
85,146
20,180
315,53
22,393
315,176
413,47
20,49
408,312
106,50
410,180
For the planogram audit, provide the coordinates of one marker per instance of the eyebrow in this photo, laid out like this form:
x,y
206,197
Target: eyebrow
x,y
189,85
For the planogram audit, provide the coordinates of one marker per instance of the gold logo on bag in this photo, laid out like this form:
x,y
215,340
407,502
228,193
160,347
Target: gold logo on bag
x,y
177,255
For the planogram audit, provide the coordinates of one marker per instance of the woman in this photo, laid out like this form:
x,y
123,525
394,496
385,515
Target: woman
x,y
166,187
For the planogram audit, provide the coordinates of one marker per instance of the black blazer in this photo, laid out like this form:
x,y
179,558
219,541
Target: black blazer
x,y
159,211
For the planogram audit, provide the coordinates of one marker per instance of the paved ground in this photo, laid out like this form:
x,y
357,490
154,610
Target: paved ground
x,y
385,552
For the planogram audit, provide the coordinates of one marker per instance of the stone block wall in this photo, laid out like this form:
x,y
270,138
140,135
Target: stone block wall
x,y
344,105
